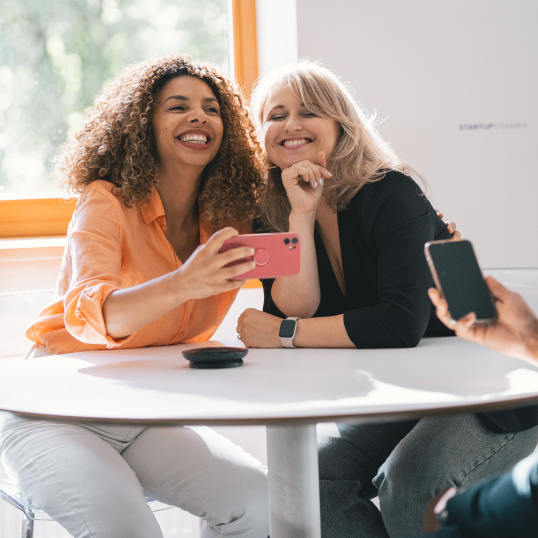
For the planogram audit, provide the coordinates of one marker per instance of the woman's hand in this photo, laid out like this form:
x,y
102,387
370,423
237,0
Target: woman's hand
x,y
451,227
514,333
258,329
204,274
299,295
304,184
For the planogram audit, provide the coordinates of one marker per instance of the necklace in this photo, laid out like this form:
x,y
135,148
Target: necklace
x,y
188,238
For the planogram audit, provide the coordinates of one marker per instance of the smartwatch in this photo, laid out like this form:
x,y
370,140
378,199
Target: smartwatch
x,y
287,331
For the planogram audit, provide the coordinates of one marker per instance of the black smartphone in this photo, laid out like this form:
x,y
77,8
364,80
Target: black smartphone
x,y
457,275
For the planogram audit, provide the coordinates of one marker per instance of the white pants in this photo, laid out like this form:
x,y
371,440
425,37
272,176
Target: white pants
x,y
92,479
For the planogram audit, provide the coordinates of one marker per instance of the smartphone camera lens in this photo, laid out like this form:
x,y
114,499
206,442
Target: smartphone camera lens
x,y
294,240
287,241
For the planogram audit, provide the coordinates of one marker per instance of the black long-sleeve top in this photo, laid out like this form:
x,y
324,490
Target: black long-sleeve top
x,y
501,507
382,237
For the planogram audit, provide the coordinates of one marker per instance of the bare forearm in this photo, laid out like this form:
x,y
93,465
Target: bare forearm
x,y
204,274
127,310
322,332
299,295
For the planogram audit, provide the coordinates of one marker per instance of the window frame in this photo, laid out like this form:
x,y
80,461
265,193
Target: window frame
x,y
50,216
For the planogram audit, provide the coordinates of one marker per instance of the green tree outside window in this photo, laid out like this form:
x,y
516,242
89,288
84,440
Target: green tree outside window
x,y
56,55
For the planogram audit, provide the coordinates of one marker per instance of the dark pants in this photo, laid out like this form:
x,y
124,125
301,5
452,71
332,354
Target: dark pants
x,y
405,464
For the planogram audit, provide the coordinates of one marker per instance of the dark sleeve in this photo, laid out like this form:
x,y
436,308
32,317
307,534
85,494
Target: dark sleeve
x,y
502,507
395,220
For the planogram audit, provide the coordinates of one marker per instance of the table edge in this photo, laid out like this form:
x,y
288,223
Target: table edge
x,y
269,421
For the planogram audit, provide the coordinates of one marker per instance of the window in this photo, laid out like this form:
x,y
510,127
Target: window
x,y
56,56
54,59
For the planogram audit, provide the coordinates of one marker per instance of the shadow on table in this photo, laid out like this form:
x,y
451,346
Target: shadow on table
x,y
440,368
247,382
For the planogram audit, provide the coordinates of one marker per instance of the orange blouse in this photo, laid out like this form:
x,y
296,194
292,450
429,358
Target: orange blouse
x,y
109,247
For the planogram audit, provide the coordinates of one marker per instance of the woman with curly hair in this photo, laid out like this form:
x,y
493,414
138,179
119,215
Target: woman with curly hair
x,y
167,156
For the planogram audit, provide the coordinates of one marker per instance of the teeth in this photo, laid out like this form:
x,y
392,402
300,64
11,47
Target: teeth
x,y
194,138
295,142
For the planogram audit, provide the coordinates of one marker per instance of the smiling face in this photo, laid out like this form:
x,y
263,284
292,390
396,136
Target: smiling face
x,y
187,123
292,133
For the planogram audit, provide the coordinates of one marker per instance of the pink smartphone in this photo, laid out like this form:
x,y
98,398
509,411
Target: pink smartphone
x,y
276,255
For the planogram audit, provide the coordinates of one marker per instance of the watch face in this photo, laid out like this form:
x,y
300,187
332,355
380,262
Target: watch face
x,y
287,328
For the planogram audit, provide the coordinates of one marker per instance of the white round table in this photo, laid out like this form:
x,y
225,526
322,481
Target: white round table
x,y
287,390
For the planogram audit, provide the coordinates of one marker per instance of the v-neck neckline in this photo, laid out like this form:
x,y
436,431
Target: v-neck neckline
x,y
328,259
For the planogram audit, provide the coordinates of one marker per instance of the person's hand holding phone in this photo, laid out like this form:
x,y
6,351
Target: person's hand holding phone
x,y
513,333
204,274
127,310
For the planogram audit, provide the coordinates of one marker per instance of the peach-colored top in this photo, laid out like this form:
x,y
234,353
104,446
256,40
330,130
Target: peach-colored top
x,y
111,246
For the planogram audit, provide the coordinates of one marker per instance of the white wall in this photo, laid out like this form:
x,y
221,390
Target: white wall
x,y
431,67
276,25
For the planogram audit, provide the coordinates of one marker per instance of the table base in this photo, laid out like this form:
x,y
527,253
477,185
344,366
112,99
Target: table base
x,y
292,458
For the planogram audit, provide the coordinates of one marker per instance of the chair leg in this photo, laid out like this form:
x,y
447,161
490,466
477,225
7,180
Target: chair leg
x,y
27,527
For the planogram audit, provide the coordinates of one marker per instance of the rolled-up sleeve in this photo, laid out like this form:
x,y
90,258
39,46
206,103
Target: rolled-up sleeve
x,y
94,240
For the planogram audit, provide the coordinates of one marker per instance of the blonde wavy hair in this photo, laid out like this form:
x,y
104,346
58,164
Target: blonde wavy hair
x,y
117,143
361,156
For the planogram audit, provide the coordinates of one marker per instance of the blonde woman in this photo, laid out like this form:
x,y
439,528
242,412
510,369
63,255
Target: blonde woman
x,y
362,219
363,222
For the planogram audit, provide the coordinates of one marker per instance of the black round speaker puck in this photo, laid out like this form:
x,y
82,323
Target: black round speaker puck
x,y
215,357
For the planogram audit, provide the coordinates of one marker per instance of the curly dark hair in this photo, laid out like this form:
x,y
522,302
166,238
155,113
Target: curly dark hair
x,y
117,143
